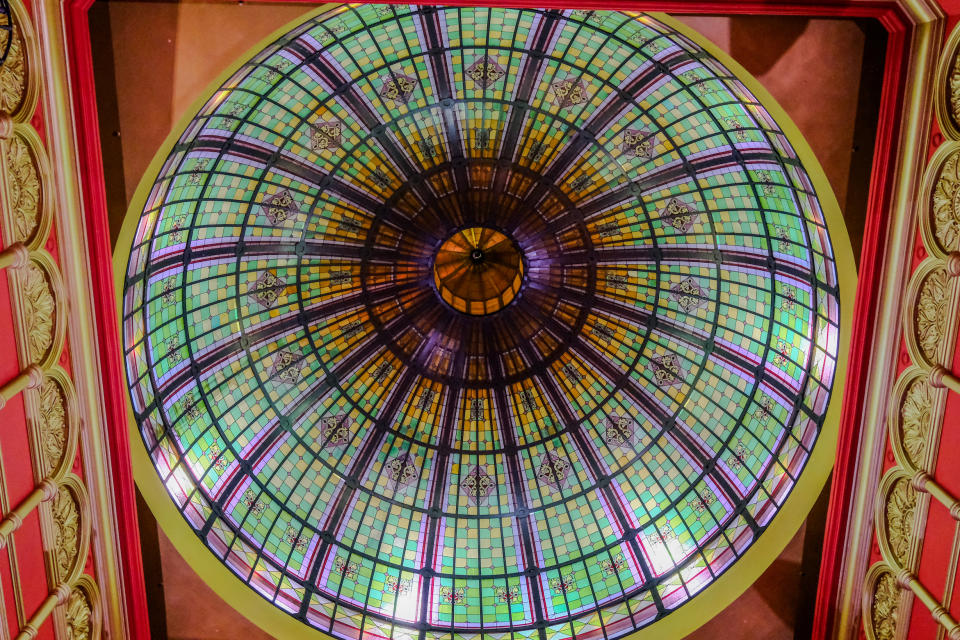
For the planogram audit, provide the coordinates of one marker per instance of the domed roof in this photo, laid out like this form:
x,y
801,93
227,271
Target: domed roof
x,y
455,322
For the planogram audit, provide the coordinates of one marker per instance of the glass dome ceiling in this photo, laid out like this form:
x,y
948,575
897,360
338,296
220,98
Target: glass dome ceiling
x,y
457,322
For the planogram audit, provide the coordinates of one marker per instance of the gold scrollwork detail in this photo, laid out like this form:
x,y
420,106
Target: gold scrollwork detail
x,y
82,611
69,531
881,603
18,91
929,320
915,419
25,176
897,518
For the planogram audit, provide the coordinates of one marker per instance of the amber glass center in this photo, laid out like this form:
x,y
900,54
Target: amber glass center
x,y
478,271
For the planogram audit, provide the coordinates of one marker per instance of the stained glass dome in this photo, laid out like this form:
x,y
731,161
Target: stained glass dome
x,y
457,322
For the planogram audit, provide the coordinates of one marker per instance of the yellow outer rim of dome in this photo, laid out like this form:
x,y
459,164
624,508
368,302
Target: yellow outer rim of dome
x,y
693,613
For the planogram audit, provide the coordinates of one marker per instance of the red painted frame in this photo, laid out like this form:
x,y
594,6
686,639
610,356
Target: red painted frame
x,y
887,12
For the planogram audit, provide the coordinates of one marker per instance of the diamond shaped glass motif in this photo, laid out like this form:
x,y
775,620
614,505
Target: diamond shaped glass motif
x,y
477,485
679,215
279,207
286,366
485,72
688,295
402,471
398,87
619,431
335,431
553,471
637,143
325,135
667,371
568,92
267,288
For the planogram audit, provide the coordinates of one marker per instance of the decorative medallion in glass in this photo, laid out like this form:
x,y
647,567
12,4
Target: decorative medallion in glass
x,y
459,322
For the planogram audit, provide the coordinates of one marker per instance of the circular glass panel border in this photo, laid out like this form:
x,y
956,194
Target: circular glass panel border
x,y
715,595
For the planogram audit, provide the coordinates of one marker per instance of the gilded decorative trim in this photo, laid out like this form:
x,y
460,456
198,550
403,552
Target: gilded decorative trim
x,y
915,410
18,87
912,143
951,576
5,507
64,204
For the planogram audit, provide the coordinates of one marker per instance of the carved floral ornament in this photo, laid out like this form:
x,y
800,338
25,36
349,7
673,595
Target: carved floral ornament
x,y
53,432
81,613
39,308
66,520
54,428
69,528
897,517
42,329
881,601
947,102
944,214
22,165
915,419
78,615
13,77
929,316
18,92
955,90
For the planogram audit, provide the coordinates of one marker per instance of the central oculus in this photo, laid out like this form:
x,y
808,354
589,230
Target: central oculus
x,y
478,270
